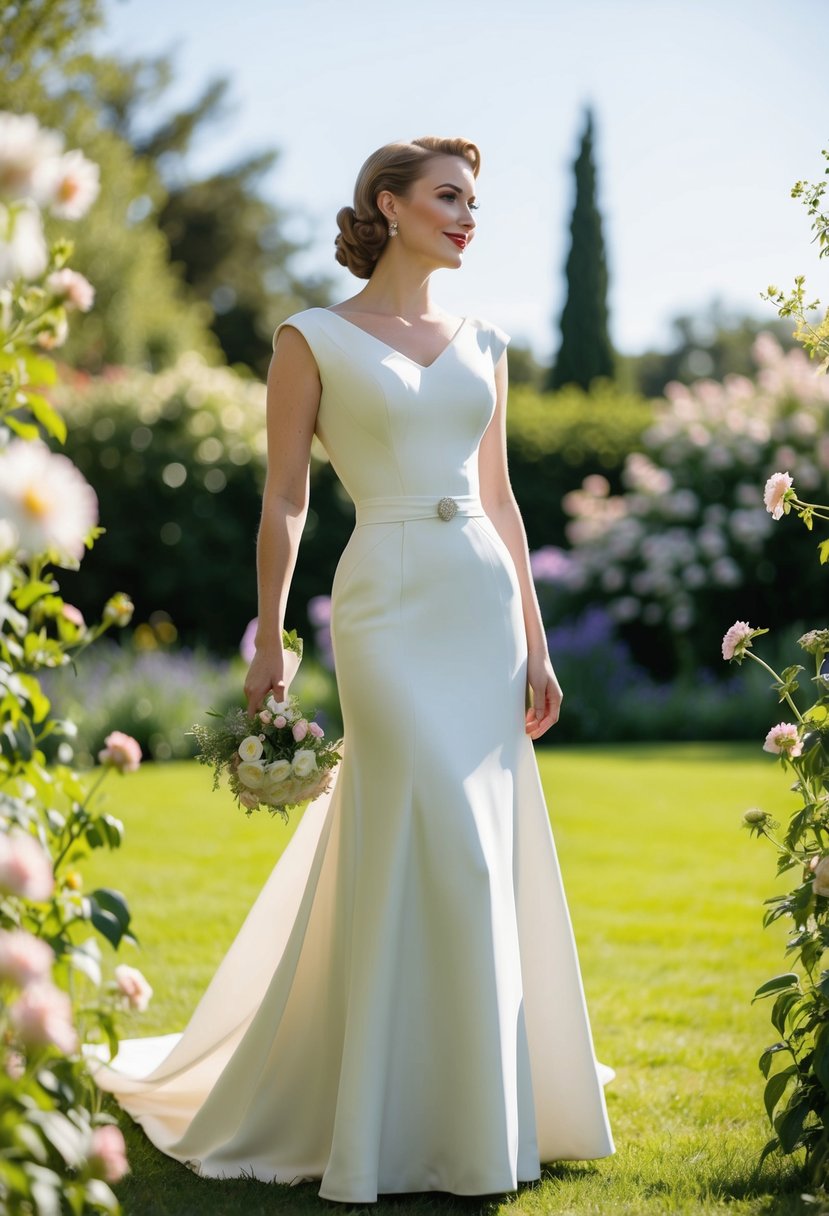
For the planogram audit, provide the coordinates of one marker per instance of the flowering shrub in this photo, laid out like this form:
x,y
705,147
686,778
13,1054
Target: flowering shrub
x,y
814,340
797,1065
675,551
178,459
58,1150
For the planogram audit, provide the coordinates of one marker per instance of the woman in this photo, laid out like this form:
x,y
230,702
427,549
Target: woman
x,y
403,1008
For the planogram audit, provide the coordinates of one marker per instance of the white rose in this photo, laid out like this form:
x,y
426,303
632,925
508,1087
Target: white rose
x,y
251,773
279,770
250,748
304,762
285,709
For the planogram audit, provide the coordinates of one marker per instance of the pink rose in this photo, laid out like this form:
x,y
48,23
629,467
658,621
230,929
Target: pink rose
x,y
280,720
265,716
42,1016
108,1153
73,614
316,730
299,729
121,752
24,957
133,986
775,493
72,288
783,739
736,639
25,867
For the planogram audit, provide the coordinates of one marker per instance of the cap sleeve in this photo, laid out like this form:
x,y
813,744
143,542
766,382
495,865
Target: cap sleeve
x,y
498,341
303,321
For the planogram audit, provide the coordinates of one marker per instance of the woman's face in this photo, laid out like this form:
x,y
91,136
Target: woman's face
x,y
440,202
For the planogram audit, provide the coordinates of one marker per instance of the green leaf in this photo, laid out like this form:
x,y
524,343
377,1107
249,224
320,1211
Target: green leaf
x,y
109,914
820,1056
47,416
823,549
39,370
776,1087
26,430
768,1055
782,1008
31,592
789,1125
790,980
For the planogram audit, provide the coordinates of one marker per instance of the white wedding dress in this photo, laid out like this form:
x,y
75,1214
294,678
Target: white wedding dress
x,y
403,1008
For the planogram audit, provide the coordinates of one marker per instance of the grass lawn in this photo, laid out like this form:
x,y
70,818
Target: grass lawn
x,y
665,891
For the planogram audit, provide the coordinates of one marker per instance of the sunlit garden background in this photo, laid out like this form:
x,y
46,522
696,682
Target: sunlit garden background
x,y
641,480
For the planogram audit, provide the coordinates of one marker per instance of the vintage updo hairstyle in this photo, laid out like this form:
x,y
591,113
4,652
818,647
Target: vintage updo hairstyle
x,y
364,229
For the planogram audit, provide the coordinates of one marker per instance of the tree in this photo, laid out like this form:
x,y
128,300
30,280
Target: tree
x,y
145,314
585,351
228,241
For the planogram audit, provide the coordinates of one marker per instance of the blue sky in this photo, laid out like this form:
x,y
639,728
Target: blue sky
x,y
706,112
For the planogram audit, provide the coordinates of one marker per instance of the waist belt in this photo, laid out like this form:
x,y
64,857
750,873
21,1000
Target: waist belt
x,y
397,507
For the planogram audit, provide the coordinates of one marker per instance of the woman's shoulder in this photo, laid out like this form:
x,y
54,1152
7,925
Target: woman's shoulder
x,y
306,320
496,337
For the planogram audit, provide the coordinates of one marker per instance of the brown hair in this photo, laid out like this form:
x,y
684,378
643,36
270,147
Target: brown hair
x,y
363,228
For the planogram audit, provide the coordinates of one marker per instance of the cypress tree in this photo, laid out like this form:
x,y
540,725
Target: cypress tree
x,y
585,350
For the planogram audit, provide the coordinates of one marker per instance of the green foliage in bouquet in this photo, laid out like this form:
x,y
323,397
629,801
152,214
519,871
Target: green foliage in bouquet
x,y
275,758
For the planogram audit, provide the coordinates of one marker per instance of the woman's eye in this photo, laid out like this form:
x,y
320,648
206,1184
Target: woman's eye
x,y
472,206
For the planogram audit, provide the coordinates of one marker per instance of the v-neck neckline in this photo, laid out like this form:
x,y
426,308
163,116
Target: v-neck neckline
x,y
424,367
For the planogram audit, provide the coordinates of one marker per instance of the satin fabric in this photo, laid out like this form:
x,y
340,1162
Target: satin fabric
x,y
403,1008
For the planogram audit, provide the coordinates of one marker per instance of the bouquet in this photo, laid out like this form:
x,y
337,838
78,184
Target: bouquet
x,y
276,758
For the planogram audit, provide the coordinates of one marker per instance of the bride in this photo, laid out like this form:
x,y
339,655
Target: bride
x,y
403,1008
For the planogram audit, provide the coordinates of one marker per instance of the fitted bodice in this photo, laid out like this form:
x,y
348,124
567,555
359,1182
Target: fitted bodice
x,y
392,427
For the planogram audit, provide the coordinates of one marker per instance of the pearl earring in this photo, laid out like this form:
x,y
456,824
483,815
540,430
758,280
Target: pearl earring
x,y
393,228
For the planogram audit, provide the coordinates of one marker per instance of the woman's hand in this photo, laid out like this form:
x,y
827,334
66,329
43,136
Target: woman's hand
x,y
546,694
266,674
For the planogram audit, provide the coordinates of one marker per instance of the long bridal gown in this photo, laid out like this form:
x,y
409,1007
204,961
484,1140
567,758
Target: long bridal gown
x,y
403,1008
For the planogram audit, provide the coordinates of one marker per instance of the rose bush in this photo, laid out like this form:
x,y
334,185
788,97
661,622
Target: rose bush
x,y
58,1150
674,553
797,1064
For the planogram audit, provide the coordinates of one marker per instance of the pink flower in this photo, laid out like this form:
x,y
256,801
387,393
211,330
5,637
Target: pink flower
x,y
280,720
42,1016
133,986
775,493
121,752
15,1065
265,716
247,646
108,1153
72,288
24,957
73,614
783,739
736,639
25,867
299,729
316,730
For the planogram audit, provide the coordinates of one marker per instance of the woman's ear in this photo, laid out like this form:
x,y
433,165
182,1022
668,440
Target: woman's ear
x,y
385,202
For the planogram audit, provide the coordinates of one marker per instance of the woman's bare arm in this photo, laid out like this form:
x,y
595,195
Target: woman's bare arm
x,y
293,397
501,507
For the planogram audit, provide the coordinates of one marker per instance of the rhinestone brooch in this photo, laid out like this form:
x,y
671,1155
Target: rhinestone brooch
x,y
447,507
